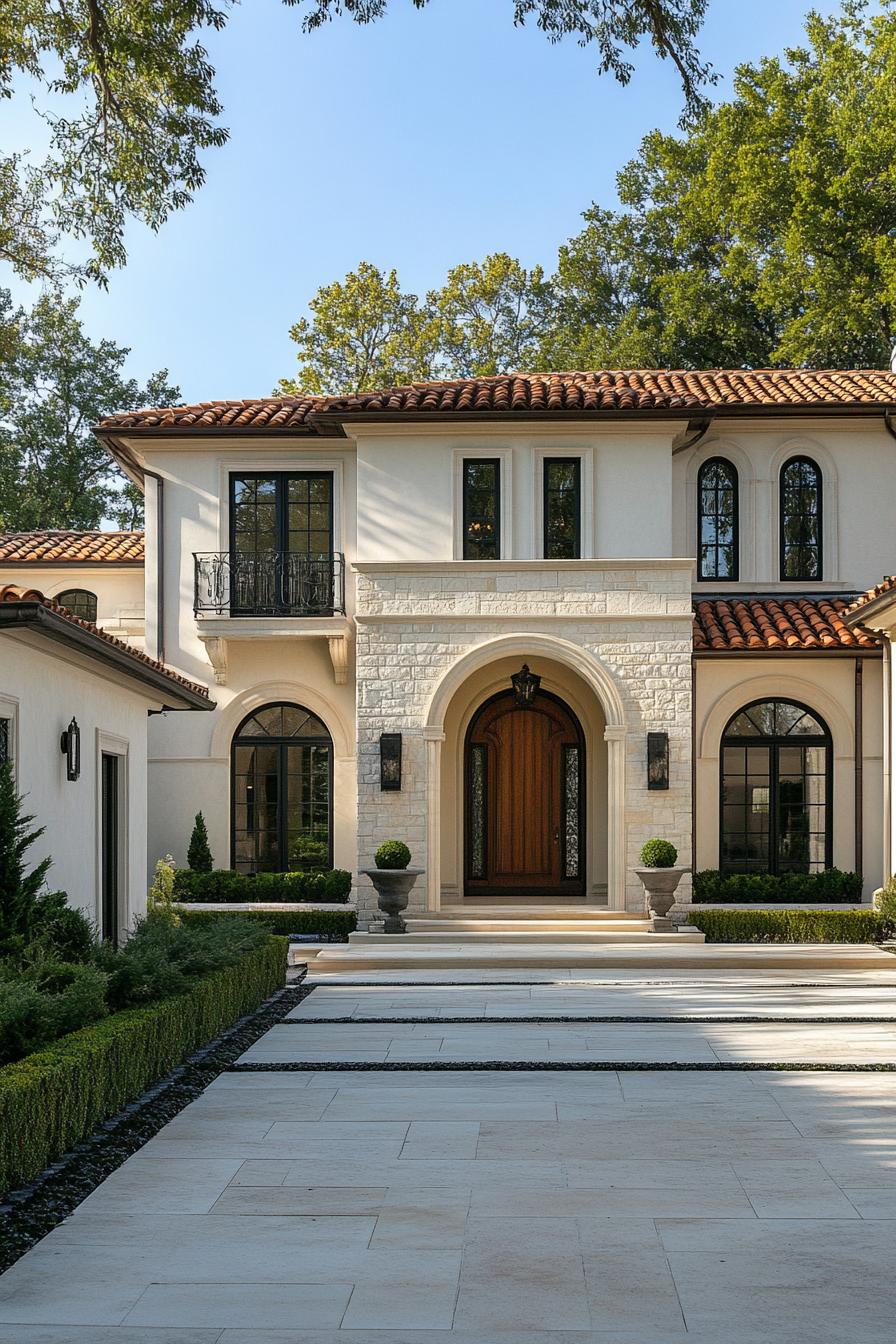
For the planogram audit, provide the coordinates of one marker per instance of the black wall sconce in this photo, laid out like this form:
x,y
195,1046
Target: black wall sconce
x,y
390,761
657,760
70,744
525,686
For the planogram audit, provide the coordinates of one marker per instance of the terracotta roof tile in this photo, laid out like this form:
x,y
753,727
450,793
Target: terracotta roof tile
x,y
70,548
13,593
776,624
886,585
573,393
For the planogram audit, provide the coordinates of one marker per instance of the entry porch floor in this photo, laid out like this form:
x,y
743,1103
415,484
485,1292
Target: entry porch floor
x,y
377,1177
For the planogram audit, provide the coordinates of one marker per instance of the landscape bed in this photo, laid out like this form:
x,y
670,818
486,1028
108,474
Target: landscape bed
x,y
793,926
329,926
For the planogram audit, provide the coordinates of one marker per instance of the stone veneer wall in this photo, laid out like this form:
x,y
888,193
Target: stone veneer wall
x,y
415,621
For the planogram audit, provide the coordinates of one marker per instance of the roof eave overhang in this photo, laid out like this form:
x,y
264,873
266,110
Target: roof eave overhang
x,y
48,623
869,612
787,653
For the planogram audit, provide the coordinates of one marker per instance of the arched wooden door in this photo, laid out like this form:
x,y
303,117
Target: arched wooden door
x,y
524,799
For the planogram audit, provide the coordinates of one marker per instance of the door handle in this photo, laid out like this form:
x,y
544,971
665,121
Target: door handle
x,y
556,835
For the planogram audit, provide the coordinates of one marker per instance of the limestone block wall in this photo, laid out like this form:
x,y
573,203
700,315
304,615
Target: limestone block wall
x,y
624,626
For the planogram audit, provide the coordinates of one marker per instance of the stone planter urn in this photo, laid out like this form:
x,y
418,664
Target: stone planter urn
x,y
660,885
393,887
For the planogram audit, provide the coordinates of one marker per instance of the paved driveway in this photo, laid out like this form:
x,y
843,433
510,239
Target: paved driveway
x,y
528,1206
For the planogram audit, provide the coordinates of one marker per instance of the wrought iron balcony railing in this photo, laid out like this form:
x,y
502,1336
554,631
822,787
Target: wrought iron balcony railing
x,y
269,583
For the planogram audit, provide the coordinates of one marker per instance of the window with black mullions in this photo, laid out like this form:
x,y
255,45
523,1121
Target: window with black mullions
x,y
562,508
717,523
801,537
281,541
482,508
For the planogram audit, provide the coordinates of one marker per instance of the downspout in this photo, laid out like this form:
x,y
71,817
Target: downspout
x,y
160,562
888,774
859,748
701,430
888,422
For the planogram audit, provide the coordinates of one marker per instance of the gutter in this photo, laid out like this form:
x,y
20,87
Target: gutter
x,y
22,616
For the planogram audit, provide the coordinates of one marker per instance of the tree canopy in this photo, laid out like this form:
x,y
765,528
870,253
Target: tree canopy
x,y
54,385
763,234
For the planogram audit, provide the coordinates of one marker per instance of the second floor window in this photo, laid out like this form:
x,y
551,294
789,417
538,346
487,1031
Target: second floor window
x,y
80,602
562,508
279,511
482,508
801,520
717,539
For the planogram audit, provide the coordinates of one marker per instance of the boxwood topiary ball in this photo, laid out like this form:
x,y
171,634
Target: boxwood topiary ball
x,y
659,854
392,854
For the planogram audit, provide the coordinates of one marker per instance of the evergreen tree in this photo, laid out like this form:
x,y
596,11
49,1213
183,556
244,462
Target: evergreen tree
x,y
18,890
199,856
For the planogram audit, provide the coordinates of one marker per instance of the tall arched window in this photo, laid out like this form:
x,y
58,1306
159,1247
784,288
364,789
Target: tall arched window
x,y
775,803
281,794
801,546
79,601
717,530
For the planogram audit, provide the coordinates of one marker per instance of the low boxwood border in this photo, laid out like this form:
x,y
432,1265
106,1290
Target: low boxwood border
x,y
333,886
792,926
831,887
330,926
50,1100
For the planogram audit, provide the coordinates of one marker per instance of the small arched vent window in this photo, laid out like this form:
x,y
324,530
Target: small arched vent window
x,y
717,521
80,602
801,549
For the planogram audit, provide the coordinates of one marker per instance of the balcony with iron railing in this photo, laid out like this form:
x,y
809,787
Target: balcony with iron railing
x,y
268,584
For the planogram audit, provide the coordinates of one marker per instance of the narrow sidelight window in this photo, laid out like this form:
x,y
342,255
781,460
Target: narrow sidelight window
x,y
482,508
5,740
801,556
80,602
562,508
717,521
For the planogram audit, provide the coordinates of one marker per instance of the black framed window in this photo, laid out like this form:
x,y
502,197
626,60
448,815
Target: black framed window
x,y
562,508
717,520
281,793
281,542
80,602
482,508
5,740
801,519
775,790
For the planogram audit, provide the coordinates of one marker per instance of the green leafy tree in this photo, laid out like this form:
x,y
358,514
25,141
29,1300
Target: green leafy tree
x,y
490,316
54,385
199,855
614,27
364,332
19,890
764,234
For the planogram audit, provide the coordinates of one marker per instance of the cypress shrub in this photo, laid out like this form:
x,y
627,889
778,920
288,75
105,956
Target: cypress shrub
x,y
51,1100
792,926
199,856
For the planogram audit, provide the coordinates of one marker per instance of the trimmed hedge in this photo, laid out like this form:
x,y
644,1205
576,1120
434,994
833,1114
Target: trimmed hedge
x,y
51,1100
223,884
333,926
829,887
792,926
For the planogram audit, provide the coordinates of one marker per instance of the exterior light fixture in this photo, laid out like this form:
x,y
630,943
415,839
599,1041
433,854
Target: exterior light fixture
x,y
657,760
525,686
70,745
390,761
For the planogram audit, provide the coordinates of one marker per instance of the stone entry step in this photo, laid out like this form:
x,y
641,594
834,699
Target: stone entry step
x,y
538,928
495,914
660,954
518,937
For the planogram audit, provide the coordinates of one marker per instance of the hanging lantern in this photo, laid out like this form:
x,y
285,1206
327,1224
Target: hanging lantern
x,y
525,686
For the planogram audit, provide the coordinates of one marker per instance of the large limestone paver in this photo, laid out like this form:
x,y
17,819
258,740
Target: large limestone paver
x,y
526,1207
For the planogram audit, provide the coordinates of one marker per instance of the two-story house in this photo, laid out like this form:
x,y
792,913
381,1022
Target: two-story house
x,y
524,624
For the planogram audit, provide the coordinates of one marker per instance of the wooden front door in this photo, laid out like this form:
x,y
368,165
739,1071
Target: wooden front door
x,y
524,799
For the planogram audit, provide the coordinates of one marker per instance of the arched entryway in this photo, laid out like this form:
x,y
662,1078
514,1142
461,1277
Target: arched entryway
x,y
281,791
524,798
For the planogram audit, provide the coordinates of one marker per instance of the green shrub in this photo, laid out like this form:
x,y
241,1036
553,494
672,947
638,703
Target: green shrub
x,y
51,1100
331,926
46,1001
792,926
392,854
659,854
18,888
60,930
831,886
307,854
199,856
887,906
332,887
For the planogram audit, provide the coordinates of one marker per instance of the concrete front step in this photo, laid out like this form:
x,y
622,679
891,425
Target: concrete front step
x,y
490,927
518,938
586,914
664,953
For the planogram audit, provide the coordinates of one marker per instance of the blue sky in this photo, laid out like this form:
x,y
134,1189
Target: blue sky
x,y
424,140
